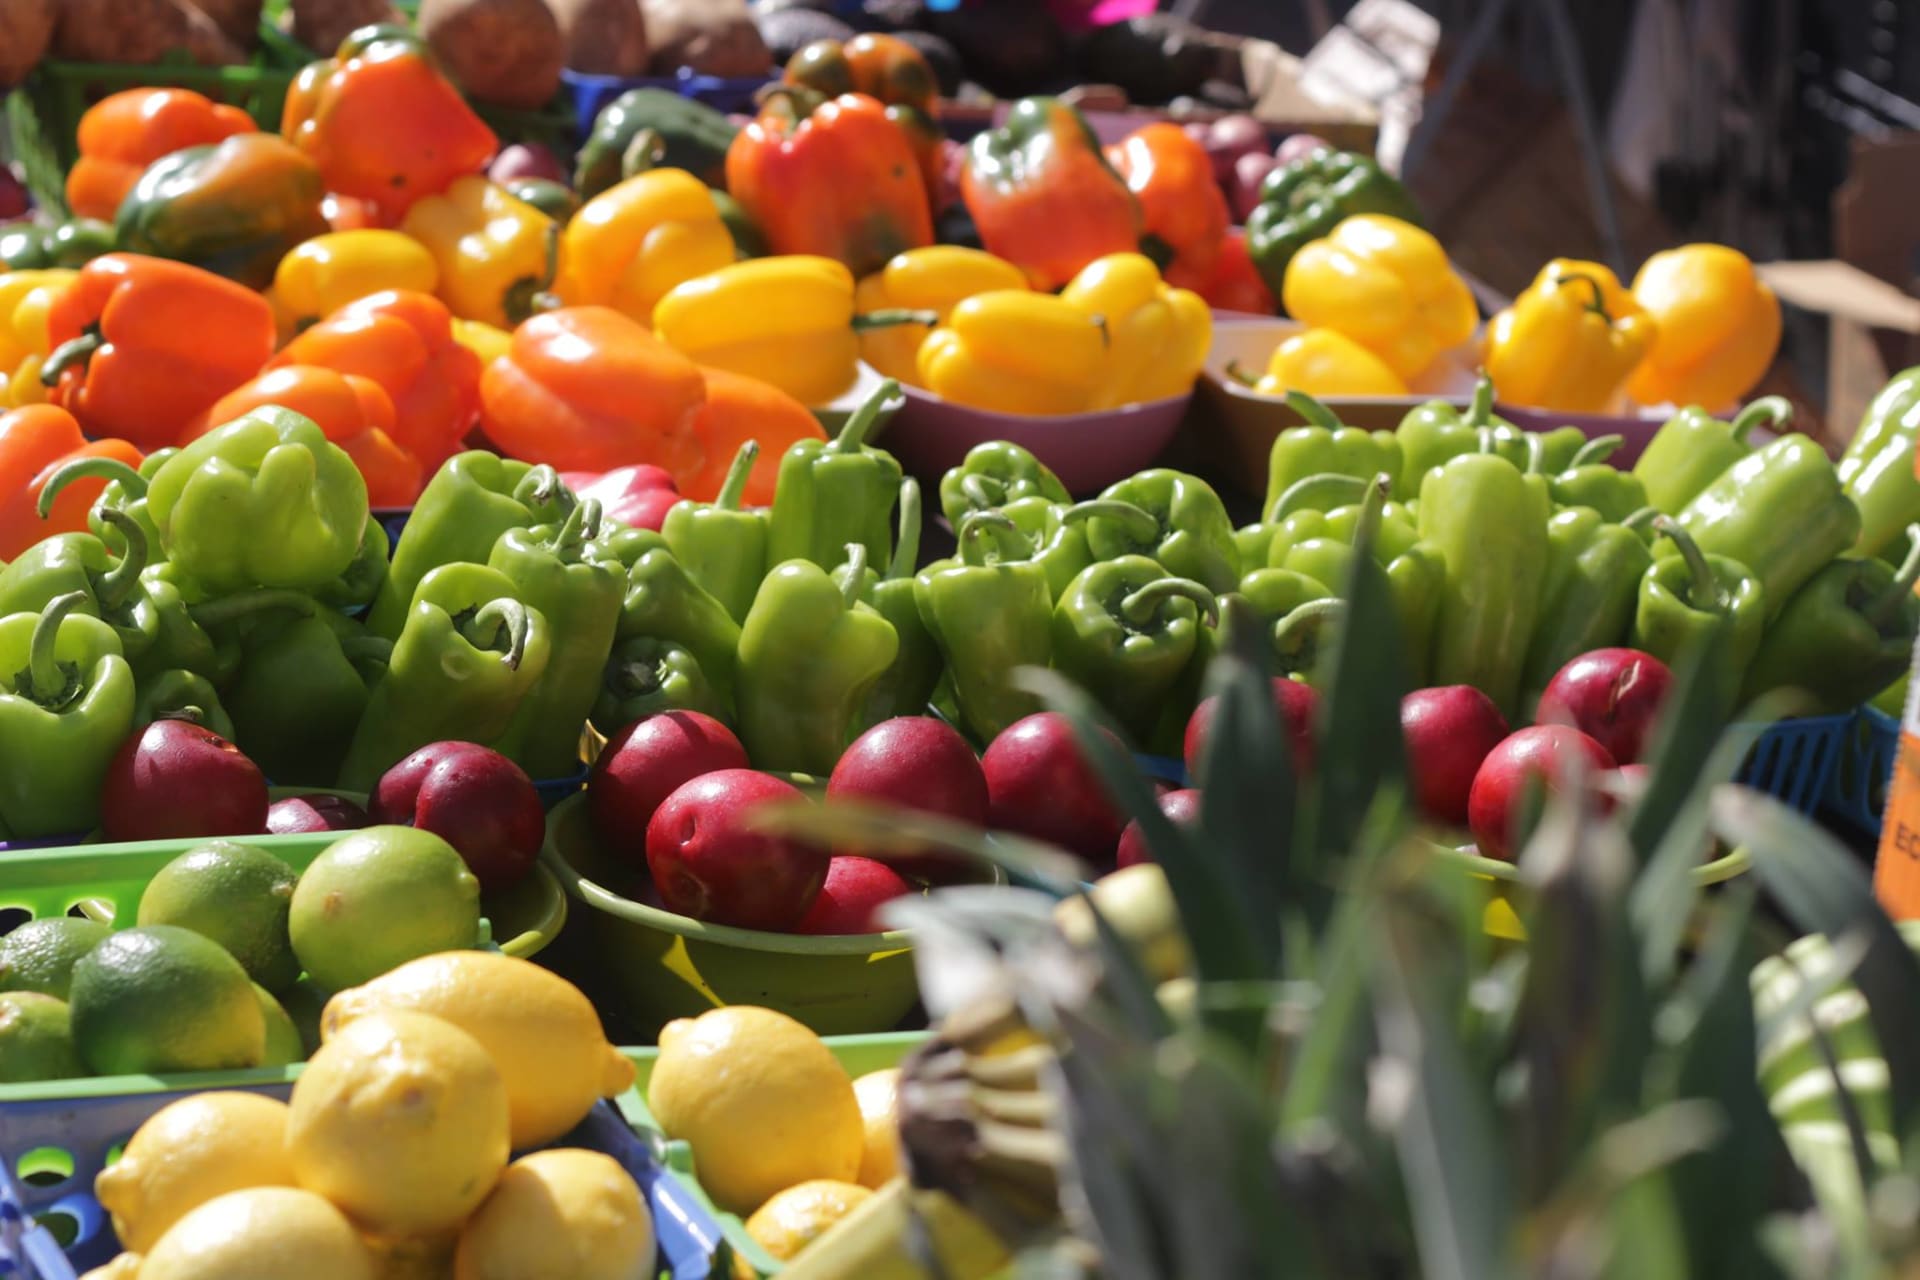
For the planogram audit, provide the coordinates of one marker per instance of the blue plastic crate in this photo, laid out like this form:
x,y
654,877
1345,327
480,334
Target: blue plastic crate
x,y
393,520
1794,760
53,1148
722,93
1857,793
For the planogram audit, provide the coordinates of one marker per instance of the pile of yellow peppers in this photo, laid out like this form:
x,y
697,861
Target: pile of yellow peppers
x,y
1381,302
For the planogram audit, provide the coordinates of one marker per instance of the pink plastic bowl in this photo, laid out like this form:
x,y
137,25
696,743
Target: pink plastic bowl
x,y
1088,451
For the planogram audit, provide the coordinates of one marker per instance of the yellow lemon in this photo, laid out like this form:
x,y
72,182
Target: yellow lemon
x,y
125,1266
880,1159
798,1216
281,1232
564,1212
187,1153
401,1120
762,1101
542,1034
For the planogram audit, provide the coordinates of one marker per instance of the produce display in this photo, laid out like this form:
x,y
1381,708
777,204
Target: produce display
x,y
528,526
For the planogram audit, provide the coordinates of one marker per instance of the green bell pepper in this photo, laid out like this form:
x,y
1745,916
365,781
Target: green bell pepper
x,y
1589,482
663,601
1845,635
302,685
1435,432
1168,516
1892,700
690,135
992,477
179,641
469,655
909,682
1124,631
1693,598
723,547
181,695
474,498
266,500
125,491
991,613
1057,536
357,587
1331,507
1275,593
1780,511
580,588
1489,527
28,246
644,677
1594,568
810,653
66,705
1877,469
1253,543
111,590
1325,447
1693,449
832,492
1306,199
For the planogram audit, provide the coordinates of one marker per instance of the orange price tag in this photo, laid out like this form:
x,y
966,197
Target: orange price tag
x,y
1896,868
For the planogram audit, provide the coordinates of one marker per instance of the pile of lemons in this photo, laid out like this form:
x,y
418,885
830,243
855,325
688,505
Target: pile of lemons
x,y
390,1161
779,1131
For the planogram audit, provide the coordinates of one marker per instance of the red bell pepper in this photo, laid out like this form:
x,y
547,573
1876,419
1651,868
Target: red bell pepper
x,y
1231,283
638,496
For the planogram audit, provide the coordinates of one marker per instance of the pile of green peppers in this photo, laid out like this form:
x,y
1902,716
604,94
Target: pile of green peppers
x,y
1510,553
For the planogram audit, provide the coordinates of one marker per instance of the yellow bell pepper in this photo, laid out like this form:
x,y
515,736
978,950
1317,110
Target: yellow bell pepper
x,y
1719,327
25,299
323,274
1386,284
1569,340
1013,351
482,339
496,253
1157,336
1323,363
787,320
931,279
632,243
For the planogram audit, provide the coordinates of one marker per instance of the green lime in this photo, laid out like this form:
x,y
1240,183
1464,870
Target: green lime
x,y
236,895
36,1039
283,1038
162,998
304,1001
379,898
40,954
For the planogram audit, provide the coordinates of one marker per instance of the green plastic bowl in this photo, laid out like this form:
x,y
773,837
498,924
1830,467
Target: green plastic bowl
x,y
656,965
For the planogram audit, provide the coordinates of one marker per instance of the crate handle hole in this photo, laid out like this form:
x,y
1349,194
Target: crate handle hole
x,y
12,918
45,1166
64,1227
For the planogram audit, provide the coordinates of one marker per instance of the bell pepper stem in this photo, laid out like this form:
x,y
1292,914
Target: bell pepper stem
x,y
995,525
1296,637
540,486
890,317
856,573
1143,606
1598,449
1480,409
118,582
1238,372
498,619
1140,524
645,152
1372,509
1314,410
1774,411
1885,606
1536,453
533,294
738,473
906,545
860,423
228,608
1640,519
572,533
131,482
1704,593
77,351
633,679
1308,492
1598,303
43,681
983,491
794,101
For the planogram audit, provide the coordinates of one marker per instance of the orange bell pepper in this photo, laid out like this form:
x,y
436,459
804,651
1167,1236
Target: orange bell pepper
x,y
1169,172
1043,195
34,443
142,346
355,413
382,123
589,389
403,341
738,409
122,134
893,71
832,178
